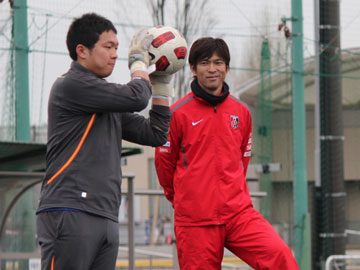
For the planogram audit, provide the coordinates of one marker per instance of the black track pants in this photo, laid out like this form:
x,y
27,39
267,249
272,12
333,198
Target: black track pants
x,y
77,241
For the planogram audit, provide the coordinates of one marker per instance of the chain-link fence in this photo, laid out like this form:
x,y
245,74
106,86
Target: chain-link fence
x,y
260,75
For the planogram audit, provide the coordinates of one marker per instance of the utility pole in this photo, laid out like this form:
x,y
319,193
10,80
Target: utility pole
x,y
20,33
301,215
22,122
316,252
330,190
264,127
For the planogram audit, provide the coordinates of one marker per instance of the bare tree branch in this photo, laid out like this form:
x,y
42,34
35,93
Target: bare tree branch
x,y
189,24
191,18
252,49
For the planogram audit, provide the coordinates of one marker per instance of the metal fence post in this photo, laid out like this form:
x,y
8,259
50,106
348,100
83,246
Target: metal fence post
x,y
131,221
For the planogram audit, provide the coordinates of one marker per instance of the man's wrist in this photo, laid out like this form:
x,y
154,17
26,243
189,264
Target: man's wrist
x,y
140,75
160,101
160,97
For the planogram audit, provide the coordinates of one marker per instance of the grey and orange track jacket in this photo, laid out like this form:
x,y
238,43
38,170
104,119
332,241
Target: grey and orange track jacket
x,y
87,119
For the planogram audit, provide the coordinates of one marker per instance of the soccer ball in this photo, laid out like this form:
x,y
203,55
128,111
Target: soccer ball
x,y
168,50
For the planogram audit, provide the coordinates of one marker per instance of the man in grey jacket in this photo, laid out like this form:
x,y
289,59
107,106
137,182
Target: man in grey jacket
x,y
88,117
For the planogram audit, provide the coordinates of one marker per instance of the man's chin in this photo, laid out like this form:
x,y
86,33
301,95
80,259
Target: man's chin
x,y
212,89
104,75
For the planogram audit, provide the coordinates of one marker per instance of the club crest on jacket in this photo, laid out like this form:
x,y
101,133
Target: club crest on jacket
x,y
234,120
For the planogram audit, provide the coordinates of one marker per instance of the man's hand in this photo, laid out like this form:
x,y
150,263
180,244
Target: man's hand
x,y
161,85
139,57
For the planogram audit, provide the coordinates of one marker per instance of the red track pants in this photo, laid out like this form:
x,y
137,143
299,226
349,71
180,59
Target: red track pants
x,y
248,235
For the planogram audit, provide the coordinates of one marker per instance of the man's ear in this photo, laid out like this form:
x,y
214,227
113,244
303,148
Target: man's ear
x,y
193,69
227,69
82,51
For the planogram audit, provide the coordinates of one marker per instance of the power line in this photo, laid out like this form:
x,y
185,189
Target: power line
x,y
244,15
298,72
52,26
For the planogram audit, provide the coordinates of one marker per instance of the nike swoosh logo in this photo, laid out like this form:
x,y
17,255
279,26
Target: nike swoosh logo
x,y
195,123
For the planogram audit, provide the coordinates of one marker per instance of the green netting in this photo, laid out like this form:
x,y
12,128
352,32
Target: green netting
x,y
263,129
48,22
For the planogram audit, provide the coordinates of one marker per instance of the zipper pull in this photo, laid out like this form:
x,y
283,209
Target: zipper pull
x,y
214,109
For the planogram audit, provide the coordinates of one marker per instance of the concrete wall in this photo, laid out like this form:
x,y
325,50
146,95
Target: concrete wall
x,y
139,165
282,137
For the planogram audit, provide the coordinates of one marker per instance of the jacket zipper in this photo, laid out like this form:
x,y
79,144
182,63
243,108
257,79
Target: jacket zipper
x,y
218,213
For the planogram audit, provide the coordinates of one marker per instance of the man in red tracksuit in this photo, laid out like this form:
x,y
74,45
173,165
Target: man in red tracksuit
x,y
202,169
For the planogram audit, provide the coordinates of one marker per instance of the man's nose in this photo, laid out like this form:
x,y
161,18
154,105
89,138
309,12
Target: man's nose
x,y
212,66
114,54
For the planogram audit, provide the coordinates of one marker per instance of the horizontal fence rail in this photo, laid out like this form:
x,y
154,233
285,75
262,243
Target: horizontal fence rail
x,y
332,258
130,193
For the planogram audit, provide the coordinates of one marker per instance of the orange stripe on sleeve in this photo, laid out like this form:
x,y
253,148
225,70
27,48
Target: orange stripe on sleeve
x,y
68,162
52,262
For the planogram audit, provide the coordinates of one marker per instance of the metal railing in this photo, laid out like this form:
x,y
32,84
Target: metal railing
x,y
130,193
131,222
330,260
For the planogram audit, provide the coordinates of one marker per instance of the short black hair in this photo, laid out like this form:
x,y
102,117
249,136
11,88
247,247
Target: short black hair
x,y
205,47
86,30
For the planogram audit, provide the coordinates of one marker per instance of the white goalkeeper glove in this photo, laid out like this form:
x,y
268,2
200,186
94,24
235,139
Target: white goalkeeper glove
x,y
161,87
139,58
